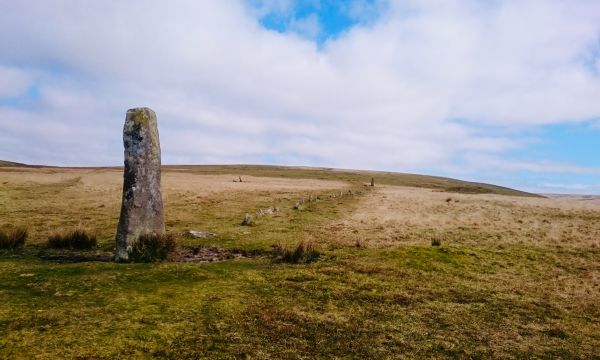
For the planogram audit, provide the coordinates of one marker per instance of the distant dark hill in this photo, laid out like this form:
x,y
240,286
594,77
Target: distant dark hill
x,y
11,164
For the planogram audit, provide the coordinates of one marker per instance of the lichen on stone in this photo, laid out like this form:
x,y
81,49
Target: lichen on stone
x,y
142,206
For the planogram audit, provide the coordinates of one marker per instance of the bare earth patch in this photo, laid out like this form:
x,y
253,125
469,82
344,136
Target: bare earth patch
x,y
204,254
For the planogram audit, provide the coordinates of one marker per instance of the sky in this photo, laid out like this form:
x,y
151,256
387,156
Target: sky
x,y
498,91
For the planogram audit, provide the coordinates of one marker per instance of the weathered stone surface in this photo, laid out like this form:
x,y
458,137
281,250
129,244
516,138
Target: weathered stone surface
x,y
142,206
201,234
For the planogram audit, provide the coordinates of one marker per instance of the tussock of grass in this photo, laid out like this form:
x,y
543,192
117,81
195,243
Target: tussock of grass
x,y
13,238
79,238
305,252
153,248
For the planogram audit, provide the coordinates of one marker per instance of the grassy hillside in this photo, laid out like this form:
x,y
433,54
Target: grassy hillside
x,y
514,277
382,178
10,164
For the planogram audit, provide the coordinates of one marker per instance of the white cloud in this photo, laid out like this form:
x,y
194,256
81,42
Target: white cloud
x,y
381,96
568,187
489,163
265,7
365,11
13,81
307,26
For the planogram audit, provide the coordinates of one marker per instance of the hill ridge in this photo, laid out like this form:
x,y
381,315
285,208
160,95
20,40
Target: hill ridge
x,y
433,182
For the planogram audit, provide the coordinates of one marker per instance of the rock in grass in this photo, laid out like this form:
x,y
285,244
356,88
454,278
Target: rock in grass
x,y
267,211
298,204
142,206
248,221
202,234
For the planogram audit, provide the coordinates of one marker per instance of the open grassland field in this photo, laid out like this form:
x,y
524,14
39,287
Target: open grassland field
x,y
516,276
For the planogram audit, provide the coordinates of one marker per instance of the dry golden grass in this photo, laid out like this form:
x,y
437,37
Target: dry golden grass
x,y
395,216
53,198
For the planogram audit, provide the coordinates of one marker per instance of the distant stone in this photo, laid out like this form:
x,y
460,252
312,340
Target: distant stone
x,y
298,204
372,181
142,206
268,211
248,221
201,234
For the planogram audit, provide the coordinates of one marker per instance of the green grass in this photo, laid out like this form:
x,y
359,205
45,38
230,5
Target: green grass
x,y
408,302
475,300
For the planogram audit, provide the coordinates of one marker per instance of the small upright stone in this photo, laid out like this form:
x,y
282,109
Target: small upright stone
x,y
248,221
142,206
372,181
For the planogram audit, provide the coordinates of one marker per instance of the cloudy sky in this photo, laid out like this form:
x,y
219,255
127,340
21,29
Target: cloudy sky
x,y
501,91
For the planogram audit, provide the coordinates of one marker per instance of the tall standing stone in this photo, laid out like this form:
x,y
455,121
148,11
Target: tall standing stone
x,y
142,207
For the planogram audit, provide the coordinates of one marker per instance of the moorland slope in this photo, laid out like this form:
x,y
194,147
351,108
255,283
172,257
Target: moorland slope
x,y
514,275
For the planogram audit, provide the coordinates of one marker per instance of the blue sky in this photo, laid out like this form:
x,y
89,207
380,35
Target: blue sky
x,y
570,143
502,91
324,19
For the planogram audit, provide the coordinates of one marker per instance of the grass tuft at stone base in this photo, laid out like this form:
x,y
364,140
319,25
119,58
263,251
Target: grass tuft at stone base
x,y
153,248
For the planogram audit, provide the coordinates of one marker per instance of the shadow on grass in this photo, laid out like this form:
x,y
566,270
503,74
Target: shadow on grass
x,y
72,258
186,254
